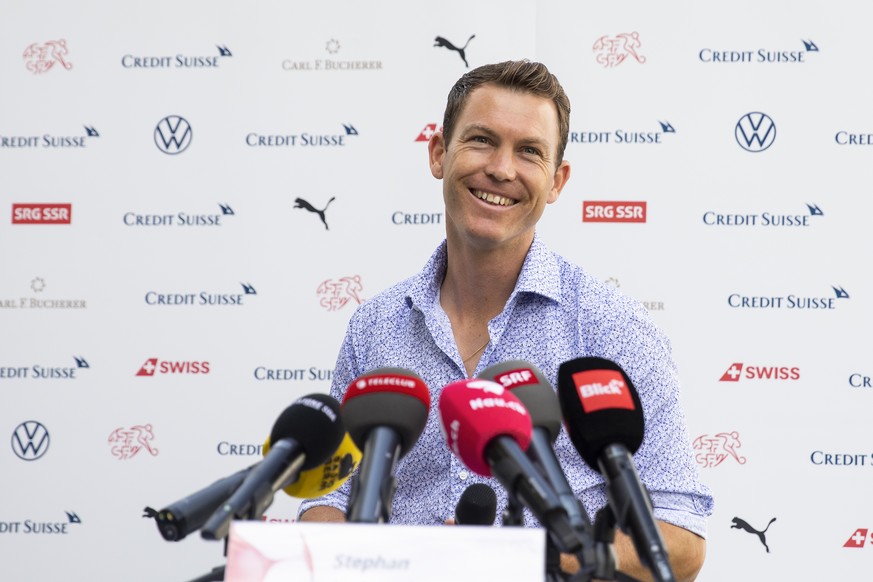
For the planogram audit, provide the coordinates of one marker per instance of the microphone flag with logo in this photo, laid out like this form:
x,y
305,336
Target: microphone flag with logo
x,y
385,412
604,418
303,437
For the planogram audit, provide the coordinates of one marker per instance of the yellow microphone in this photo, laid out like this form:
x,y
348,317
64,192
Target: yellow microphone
x,y
328,476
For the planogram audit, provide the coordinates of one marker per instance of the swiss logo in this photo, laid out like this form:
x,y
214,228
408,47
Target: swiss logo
x,y
858,539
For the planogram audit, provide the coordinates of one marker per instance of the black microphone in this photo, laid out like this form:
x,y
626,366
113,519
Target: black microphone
x,y
385,412
529,384
187,515
303,437
604,418
477,506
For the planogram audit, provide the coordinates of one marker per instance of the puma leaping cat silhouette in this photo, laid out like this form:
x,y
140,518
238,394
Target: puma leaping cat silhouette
x,y
743,525
301,203
440,41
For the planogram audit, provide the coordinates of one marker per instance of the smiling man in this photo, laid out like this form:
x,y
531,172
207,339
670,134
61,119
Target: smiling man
x,y
492,292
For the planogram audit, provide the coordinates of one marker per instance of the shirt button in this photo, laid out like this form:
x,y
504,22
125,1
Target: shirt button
x,y
463,475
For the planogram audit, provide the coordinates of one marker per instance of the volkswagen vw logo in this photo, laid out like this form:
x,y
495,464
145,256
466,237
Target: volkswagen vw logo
x,y
30,440
173,134
755,132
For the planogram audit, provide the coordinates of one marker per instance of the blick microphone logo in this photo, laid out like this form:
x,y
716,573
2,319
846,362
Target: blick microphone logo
x,y
602,389
755,132
173,134
30,440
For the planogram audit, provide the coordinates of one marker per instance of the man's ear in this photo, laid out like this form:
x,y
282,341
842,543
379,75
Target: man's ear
x,y
436,151
562,174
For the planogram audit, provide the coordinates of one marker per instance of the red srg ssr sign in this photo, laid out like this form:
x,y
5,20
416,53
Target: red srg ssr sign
x,y
44,213
613,211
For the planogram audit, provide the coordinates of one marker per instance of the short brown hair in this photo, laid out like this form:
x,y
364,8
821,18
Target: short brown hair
x,y
525,76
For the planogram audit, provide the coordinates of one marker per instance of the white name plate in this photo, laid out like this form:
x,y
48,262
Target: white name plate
x,y
353,552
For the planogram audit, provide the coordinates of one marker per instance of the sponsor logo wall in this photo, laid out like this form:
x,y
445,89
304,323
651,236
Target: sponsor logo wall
x,y
191,214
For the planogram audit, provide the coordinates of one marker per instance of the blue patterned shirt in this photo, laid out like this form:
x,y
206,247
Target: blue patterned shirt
x,y
556,313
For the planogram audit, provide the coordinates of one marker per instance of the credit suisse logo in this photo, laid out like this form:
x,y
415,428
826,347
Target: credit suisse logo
x,y
798,219
789,55
211,60
178,218
43,371
40,526
641,136
738,371
805,302
154,366
42,213
202,298
613,211
859,380
49,140
304,139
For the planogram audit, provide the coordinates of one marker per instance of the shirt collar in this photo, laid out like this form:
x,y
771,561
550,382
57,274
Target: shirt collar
x,y
540,274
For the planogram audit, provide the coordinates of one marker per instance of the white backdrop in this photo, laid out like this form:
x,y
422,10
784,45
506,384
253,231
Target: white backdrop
x,y
355,84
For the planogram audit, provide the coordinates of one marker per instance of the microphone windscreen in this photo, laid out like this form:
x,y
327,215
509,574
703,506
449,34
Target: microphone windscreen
x,y
392,397
600,407
314,422
327,477
477,506
473,412
529,384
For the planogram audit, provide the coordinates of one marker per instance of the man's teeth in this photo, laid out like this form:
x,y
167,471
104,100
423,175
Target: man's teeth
x,y
493,198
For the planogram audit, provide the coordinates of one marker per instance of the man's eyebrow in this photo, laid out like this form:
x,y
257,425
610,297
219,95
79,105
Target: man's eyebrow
x,y
482,128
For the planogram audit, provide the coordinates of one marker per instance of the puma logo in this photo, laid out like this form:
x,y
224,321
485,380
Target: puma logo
x,y
743,525
301,203
440,41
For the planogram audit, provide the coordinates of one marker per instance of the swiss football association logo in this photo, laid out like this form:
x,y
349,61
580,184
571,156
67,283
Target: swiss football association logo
x,y
714,450
335,294
611,51
173,135
127,443
41,57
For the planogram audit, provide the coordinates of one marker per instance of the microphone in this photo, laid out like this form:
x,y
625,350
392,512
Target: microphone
x,y
604,418
303,437
489,429
477,506
528,383
189,514
385,411
327,477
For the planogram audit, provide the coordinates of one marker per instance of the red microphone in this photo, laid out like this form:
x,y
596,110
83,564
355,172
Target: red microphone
x,y
489,429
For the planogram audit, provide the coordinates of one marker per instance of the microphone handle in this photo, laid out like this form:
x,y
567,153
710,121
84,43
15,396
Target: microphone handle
x,y
541,450
373,487
523,482
254,495
632,508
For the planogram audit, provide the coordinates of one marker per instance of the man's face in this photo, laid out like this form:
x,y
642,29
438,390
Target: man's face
x,y
499,170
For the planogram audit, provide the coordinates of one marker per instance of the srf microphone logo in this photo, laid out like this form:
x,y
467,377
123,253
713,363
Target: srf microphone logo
x,y
602,389
515,378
